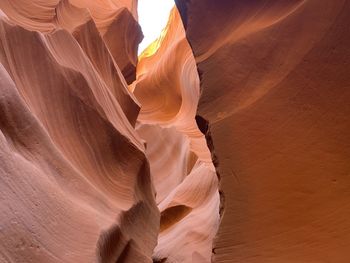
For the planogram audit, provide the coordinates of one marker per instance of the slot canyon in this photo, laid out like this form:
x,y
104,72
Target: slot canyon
x,y
226,140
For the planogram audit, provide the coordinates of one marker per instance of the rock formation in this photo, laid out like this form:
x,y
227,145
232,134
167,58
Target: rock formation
x,y
184,176
226,140
75,182
78,183
275,81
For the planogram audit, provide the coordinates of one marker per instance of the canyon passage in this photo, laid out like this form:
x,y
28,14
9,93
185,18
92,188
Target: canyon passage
x,y
225,140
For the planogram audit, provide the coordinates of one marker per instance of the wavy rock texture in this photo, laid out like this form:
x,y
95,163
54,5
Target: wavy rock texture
x,y
184,176
106,157
276,89
116,20
75,181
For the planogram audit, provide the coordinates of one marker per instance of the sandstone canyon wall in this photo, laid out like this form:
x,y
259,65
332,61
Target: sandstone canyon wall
x,y
75,182
94,170
275,83
184,176
226,140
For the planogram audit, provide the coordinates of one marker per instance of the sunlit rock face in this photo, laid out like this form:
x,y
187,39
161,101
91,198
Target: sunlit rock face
x,y
183,174
276,89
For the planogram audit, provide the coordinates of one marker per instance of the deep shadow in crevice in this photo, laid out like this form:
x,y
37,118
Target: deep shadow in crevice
x,y
162,260
204,127
172,215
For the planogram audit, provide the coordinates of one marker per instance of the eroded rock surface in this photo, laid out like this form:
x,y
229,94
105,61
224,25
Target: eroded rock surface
x,y
78,183
184,176
75,181
276,89
227,140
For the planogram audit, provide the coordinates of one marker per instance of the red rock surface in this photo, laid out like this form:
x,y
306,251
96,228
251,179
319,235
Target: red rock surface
x,y
227,140
275,81
184,176
86,176
75,181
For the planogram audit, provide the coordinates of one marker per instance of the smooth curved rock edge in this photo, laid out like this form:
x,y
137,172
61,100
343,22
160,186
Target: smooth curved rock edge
x,y
185,178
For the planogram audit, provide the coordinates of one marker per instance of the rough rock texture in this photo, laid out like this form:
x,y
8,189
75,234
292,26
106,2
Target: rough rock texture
x,y
275,81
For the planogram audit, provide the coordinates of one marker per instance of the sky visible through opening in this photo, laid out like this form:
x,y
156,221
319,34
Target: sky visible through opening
x,y
153,17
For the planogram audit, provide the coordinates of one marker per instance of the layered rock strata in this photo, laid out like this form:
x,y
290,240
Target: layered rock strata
x,y
75,181
184,176
232,127
94,170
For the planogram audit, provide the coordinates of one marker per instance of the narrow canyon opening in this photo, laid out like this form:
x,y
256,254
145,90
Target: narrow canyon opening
x,y
109,139
153,16
167,86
